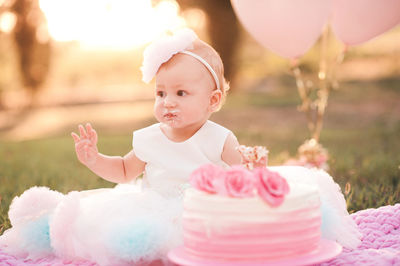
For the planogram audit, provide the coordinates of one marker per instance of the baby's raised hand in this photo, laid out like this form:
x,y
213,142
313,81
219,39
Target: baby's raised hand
x,y
86,144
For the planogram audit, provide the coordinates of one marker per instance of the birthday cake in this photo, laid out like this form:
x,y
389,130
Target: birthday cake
x,y
237,218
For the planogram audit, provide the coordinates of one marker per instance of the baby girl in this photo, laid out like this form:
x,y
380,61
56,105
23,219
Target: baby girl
x,y
190,86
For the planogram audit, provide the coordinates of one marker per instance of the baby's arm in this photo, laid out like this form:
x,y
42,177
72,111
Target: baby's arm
x,y
230,153
112,168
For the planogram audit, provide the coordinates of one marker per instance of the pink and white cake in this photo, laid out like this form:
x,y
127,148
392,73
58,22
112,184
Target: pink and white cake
x,y
238,215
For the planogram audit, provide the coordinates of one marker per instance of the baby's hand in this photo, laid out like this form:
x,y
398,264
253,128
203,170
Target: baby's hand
x,y
86,144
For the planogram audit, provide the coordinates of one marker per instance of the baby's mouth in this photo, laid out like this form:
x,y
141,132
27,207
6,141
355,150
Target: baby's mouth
x,y
170,115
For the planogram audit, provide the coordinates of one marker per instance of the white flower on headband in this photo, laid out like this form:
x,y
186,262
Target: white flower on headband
x,y
160,51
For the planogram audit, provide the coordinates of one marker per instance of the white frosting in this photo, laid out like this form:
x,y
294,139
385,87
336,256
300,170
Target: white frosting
x,y
203,205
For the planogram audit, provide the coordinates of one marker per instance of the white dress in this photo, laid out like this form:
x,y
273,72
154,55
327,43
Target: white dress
x,y
169,164
128,224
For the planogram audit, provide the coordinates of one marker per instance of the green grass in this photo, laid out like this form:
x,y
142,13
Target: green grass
x,y
363,147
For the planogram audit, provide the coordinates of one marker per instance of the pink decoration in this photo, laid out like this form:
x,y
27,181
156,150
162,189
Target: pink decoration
x,y
289,28
272,187
320,162
358,21
239,182
207,178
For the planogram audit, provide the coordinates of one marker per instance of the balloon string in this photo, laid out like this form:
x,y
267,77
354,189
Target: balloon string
x,y
315,109
306,105
324,88
339,60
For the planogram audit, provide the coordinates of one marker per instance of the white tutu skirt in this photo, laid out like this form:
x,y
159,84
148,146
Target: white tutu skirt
x,y
119,226
128,225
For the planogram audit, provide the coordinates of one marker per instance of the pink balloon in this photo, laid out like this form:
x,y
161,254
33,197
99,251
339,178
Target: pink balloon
x,y
287,27
357,21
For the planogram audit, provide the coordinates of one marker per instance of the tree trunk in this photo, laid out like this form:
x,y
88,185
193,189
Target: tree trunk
x,y
223,30
32,44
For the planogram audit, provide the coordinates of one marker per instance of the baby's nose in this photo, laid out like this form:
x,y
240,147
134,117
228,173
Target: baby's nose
x,y
169,101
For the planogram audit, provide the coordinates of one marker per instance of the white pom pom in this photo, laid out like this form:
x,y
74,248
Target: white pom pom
x,y
160,51
33,203
62,225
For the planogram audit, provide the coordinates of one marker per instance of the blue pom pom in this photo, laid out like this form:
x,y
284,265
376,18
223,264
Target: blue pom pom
x,y
36,234
139,239
329,218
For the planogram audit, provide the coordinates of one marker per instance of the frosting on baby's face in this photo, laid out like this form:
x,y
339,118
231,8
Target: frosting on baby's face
x,y
184,93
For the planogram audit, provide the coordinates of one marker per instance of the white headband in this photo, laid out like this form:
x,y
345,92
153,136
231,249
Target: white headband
x,y
207,65
160,51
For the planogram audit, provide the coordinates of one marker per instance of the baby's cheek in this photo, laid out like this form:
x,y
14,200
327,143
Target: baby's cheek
x,y
157,111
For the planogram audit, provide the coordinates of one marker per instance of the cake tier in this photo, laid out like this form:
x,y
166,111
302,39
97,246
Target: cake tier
x,y
224,228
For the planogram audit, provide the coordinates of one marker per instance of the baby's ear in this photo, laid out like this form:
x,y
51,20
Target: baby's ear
x,y
215,100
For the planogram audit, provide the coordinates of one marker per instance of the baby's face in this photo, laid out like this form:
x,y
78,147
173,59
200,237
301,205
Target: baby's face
x,y
184,92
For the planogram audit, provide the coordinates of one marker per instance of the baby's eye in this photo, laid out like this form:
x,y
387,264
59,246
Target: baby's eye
x,y
160,93
181,93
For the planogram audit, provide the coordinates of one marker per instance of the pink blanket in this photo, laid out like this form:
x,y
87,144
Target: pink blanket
x,y
380,243
381,238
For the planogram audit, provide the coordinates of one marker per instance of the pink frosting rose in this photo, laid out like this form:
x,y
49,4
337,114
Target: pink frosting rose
x,y
271,187
239,182
207,178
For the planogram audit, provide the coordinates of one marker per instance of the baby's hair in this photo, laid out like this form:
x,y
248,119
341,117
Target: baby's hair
x,y
212,57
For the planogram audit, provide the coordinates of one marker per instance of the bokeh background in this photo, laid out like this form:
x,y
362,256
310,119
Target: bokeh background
x,y
66,62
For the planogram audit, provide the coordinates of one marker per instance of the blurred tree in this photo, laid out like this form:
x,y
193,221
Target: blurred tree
x,y
223,29
3,54
32,44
